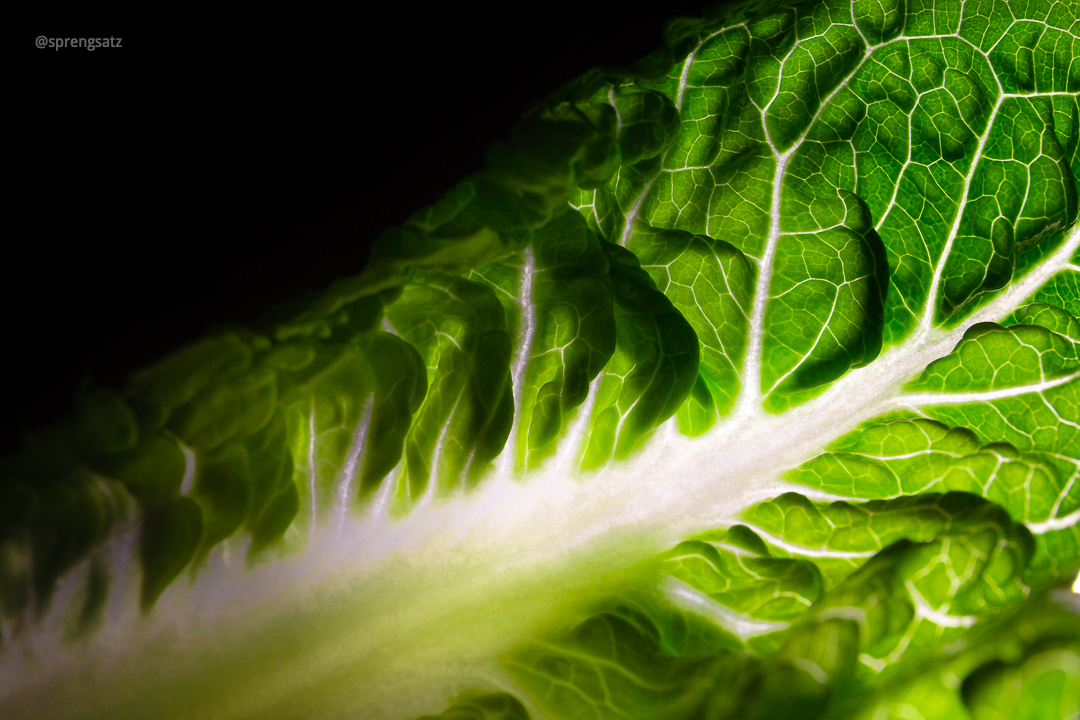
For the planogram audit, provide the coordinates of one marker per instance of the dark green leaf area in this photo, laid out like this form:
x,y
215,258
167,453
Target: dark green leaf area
x,y
654,367
1033,57
88,603
330,400
482,706
733,217
458,243
643,658
291,357
1057,555
270,466
1051,317
224,430
957,91
53,510
105,424
557,299
721,60
152,471
338,313
905,647
904,457
1035,643
736,569
875,623
80,513
158,390
556,148
917,595
170,537
988,23
1043,683
400,383
839,537
1039,422
711,284
881,99
574,335
224,493
817,186
1022,191
273,520
649,660
838,123
1062,291
912,597
350,411
241,407
459,328
809,74
879,21
17,504
825,314
929,18
220,389
908,129
991,357
648,122
802,678
639,659
715,177
529,179
697,414
1066,118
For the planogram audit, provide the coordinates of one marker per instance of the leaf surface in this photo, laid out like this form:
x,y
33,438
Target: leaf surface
x,y
741,383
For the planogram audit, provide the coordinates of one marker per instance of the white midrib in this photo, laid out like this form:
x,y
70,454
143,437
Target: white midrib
x,y
522,354
344,489
749,399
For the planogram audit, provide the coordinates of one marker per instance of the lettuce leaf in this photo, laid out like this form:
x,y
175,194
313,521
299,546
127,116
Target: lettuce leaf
x,y
741,383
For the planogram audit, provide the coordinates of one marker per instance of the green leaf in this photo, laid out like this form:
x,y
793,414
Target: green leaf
x,y
168,544
632,659
740,383
558,298
459,329
654,366
483,706
711,284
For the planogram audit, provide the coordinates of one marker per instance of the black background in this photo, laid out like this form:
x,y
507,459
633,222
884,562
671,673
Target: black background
x,y
205,171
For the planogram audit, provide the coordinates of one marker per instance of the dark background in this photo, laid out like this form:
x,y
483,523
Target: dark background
x,y
200,174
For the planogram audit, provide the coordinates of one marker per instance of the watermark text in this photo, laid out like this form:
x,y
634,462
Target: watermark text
x,y
44,42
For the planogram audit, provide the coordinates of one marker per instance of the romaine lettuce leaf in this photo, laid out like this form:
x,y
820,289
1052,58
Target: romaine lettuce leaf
x,y
741,383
